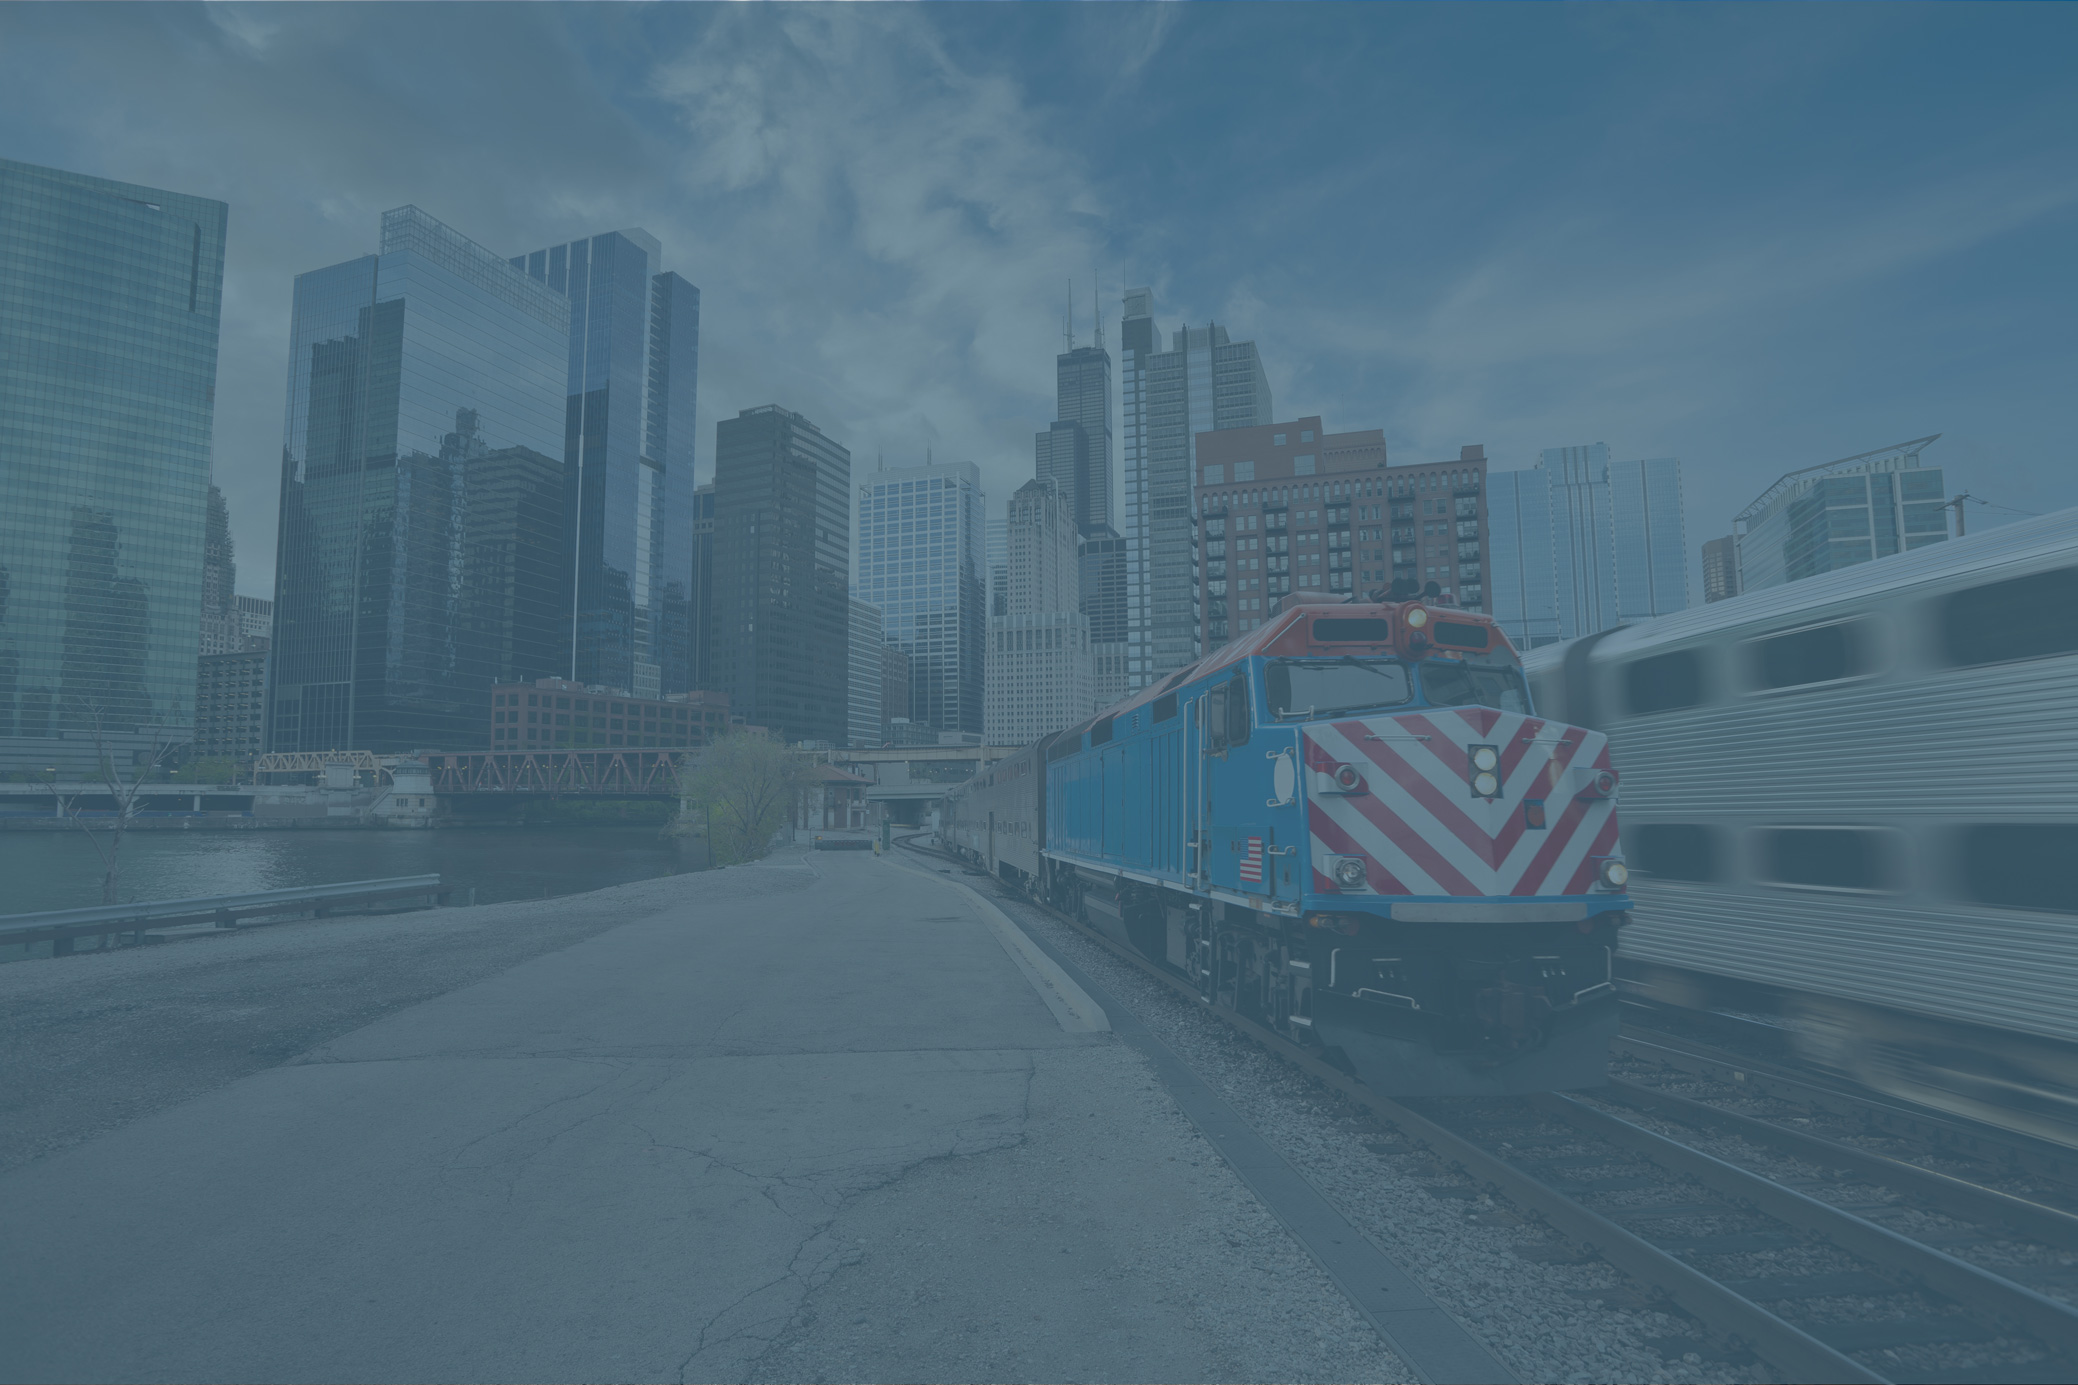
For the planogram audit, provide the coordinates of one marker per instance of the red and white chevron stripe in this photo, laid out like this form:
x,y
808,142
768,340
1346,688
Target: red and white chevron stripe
x,y
1421,829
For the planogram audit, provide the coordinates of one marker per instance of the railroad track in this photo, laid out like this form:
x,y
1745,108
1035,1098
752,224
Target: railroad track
x,y
1826,1261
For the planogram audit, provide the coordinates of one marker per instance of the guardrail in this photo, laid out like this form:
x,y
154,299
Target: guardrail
x,y
60,927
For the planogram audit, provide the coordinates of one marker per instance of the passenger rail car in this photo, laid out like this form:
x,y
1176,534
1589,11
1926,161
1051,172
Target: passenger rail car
x,y
1854,798
1350,826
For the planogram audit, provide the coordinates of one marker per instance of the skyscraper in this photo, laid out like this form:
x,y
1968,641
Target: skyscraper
x,y
221,632
703,586
782,558
421,555
1581,543
629,430
1039,649
1720,568
108,347
1836,514
998,565
1074,453
1203,382
863,716
922,550
1101,558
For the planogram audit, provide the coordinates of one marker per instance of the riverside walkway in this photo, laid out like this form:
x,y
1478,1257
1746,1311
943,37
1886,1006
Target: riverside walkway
x,y
827,1116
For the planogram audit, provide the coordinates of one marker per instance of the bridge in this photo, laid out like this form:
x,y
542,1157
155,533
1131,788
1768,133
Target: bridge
x,y
615,773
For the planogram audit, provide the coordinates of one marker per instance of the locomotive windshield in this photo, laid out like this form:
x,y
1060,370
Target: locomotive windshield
x,y
1452,683
1314,687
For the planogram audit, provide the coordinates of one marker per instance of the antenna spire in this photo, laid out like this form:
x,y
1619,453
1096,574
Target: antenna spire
x,y
1096,309
1070,319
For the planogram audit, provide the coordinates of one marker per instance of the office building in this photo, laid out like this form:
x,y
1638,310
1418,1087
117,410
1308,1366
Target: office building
x,y
557,714
1201,384
702,672
782,558
255,620
230,704
864,720
633,368
1581,543
998,565
222,632
1074,453
421,556
1836,514
108,350
1101,558
1720,568
894,684
922,550
1280,510
1039,649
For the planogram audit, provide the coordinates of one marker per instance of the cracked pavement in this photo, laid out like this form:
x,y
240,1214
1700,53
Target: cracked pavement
x,y
798,1120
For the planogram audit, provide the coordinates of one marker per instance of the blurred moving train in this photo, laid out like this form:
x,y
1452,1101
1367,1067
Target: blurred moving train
x,y
1852,800
1347,825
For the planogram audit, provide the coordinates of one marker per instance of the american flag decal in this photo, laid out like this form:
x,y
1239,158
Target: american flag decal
x,y
1252,861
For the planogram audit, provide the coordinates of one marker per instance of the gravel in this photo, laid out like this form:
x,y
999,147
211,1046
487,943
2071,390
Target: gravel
x,y
1544,1312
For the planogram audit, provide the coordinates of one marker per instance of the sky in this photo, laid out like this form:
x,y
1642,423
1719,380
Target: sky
x,y
1754,237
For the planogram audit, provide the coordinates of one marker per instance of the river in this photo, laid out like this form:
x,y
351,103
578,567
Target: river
x,y
50,870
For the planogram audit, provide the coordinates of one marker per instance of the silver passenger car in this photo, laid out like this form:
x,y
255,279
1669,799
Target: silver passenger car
x,y
1855,798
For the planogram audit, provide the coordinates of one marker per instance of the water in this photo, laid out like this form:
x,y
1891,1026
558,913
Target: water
x,y
50,870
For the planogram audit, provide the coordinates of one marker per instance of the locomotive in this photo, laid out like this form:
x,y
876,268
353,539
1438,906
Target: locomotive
x,y
1349,826
1852,805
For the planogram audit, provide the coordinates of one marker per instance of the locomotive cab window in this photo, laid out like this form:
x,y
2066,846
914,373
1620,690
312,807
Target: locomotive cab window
x,y
1318,687
1456,634
2022,618
1803,658
1454,683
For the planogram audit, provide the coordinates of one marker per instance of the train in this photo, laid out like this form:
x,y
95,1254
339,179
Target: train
x,y
1851,810
1349,826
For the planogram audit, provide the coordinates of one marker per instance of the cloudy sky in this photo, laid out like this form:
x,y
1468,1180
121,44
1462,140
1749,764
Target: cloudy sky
x,y
1753,237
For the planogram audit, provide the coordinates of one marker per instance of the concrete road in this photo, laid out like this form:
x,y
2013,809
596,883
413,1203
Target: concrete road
x,y
800,1120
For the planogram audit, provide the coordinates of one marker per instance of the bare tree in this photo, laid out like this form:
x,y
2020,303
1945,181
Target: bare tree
x,y
745,785
109,844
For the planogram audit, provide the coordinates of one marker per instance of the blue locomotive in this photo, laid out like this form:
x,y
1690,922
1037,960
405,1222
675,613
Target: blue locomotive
x,y
1349,826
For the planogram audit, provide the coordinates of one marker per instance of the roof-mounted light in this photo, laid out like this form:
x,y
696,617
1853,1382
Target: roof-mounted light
x,y
1415,616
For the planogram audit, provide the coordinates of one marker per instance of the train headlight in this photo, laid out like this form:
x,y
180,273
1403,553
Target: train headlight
x,y
1347,777
1615,874
1485,785
1349,872
1415,617
1605,783
1485,757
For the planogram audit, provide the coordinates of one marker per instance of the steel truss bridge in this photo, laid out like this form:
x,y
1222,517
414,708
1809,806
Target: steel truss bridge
x,y
559,773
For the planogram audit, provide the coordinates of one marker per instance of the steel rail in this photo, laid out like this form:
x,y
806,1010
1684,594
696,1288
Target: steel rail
x,y
1983,1142
1732,1316
1956,1196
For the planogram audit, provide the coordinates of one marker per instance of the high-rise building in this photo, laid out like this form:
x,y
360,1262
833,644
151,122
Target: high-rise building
x,y
220,628
255,621
1201,384
922,550
998,565
1039,650
1720,568
421,555
230,703
864,719
1286,507
703,587
108,349
1101,555
1074,453
634,359
782,558
1582,544
1836,514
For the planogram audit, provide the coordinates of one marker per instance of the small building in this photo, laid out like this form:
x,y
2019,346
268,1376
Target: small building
x,y
831,800
230,703
556,714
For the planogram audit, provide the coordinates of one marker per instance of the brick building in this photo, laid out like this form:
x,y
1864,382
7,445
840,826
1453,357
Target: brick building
x,y
230,698
555,714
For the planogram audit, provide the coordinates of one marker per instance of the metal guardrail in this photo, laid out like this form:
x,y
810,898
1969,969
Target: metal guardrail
x,y
60,927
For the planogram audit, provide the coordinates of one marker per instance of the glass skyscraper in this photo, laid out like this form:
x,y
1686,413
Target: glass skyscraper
x,y
110,295
1837,514
422,554
1203,382
1580,543
922,561
782,558
629,428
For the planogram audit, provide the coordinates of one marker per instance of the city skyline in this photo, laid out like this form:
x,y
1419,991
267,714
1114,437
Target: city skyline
x,y
1718,304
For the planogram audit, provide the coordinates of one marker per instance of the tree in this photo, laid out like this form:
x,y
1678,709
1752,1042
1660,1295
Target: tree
x,y
159,752
745,786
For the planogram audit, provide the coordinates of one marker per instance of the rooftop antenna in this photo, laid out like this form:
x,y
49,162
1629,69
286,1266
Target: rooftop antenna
x,y
1071,315
1096,309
